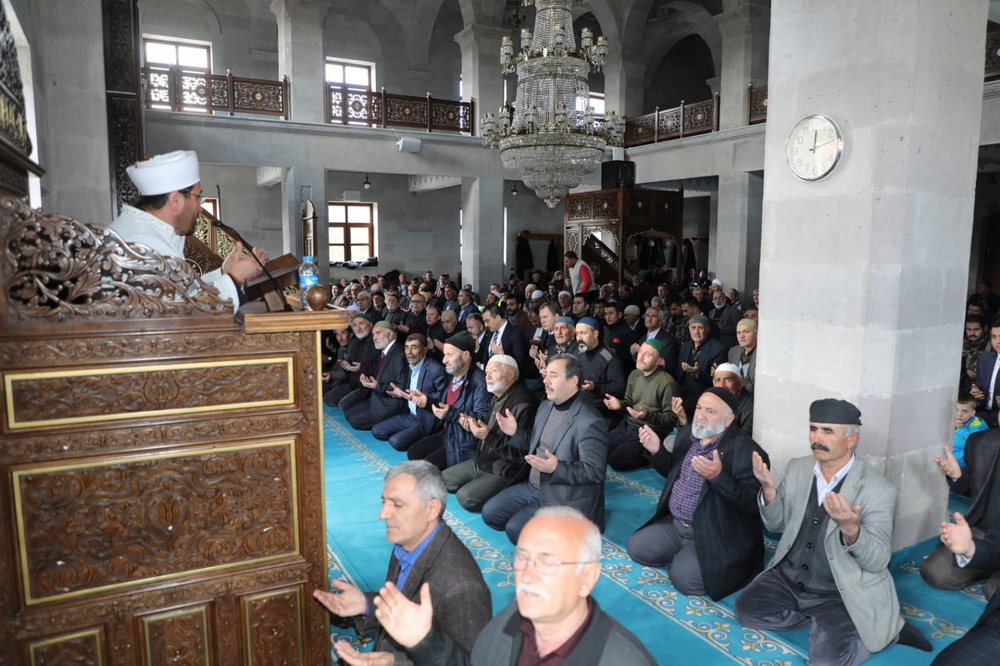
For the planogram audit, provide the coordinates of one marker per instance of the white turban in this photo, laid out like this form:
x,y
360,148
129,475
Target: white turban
x,y
165,173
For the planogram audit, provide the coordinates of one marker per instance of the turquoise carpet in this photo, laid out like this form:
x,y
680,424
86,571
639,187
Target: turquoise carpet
x,y
677,629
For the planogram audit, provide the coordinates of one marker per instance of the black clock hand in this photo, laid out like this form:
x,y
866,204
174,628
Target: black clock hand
x,y
815,134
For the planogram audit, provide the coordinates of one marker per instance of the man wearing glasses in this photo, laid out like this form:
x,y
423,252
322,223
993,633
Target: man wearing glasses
x,y
553,618
167,211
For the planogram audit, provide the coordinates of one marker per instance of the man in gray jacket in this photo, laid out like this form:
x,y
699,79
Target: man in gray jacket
x,y
830,571
556,565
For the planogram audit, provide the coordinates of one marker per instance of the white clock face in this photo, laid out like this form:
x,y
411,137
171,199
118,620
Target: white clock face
x,y
814,147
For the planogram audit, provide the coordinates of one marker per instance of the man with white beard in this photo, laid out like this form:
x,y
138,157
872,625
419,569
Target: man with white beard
x,y
705,530
496,464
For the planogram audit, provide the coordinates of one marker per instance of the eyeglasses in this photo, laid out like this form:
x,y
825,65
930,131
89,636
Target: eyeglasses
x,y
188,193
544,563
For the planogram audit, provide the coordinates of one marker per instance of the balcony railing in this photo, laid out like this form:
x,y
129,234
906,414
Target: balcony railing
x,y
206,93
757,106
348,106
680,121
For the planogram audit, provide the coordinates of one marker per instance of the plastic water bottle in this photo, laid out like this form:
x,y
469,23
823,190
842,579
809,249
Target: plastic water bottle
x,y
308,277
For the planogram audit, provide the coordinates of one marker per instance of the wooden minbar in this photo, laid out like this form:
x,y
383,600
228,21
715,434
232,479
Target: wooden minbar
x,y
161,490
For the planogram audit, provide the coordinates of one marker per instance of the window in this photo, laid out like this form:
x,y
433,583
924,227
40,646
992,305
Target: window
x,y
597,104
349,83
211,206
193,62
352,231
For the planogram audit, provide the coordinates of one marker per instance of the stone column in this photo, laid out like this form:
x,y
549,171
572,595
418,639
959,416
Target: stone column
x,y
300,56
744,26
481,75
72,111
482,232
624,79
735,244
863,274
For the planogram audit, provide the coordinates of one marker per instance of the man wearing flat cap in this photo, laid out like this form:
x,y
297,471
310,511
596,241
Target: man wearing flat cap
x,y
830,571
705,529
167,211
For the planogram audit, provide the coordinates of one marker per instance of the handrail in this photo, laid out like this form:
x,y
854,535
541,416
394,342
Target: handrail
x,y
353,106
192,91
675,123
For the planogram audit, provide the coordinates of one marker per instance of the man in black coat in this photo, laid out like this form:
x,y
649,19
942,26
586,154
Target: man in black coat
x,y
416,320
370,403
362,358
981,645
706,529
496,463
987,385
697,358
504,338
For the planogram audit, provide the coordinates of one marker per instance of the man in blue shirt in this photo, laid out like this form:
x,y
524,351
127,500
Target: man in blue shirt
x,y
426,551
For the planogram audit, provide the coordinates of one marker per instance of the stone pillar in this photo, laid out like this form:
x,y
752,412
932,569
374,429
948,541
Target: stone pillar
x,y
482,78
72,111
624,82
863,274
482,232
734,255
291,213
744,26
300,56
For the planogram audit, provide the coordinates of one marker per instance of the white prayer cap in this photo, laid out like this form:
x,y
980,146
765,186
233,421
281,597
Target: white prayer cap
x,y
165,173
717,282
504,359
728,367
538,293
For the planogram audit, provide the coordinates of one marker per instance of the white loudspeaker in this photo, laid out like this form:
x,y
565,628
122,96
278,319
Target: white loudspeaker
x,y
408,145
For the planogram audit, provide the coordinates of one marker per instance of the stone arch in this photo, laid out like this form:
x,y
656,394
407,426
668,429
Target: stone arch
x,y
151,11
696,20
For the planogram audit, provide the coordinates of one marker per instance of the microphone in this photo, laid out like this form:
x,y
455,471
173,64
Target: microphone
x,y
219,224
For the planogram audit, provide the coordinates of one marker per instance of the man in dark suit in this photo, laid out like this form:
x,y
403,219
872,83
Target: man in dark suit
x,y
653,319
567,454
977,481
414,499
477,328
981,645
706,529
416,320
987,387
505,338
425,375
370,403
697,358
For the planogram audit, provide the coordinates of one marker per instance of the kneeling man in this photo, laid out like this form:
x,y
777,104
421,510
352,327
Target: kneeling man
x,y
830,571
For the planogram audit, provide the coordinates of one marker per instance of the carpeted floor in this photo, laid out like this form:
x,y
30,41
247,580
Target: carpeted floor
x,y
677,629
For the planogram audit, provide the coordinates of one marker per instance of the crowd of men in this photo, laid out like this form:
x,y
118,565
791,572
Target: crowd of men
x,y
522,400
518,401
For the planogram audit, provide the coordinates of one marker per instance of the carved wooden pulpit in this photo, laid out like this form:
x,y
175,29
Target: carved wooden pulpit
x,y
161,495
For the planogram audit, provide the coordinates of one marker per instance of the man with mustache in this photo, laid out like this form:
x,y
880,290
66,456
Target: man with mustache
x,y
496,464
830,571
362,358
427,558
567,454
602,370
371,403
705,529
553,618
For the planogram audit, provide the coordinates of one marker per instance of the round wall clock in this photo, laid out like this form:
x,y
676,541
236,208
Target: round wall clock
x,y
814,147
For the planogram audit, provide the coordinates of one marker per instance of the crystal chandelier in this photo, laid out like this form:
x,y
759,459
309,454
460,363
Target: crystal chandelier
x,y
550,136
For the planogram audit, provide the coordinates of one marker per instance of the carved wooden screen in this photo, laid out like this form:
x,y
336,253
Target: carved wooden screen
x,y
160,476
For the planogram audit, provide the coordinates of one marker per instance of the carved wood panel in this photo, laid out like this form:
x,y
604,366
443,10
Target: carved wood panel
x,y
83,648
272,625
178,637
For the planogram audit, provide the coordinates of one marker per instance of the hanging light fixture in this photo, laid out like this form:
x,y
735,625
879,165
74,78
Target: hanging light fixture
x,y
367,184
513,189
550,137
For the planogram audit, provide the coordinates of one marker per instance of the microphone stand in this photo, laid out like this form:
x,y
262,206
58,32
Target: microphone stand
x,y
219,224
